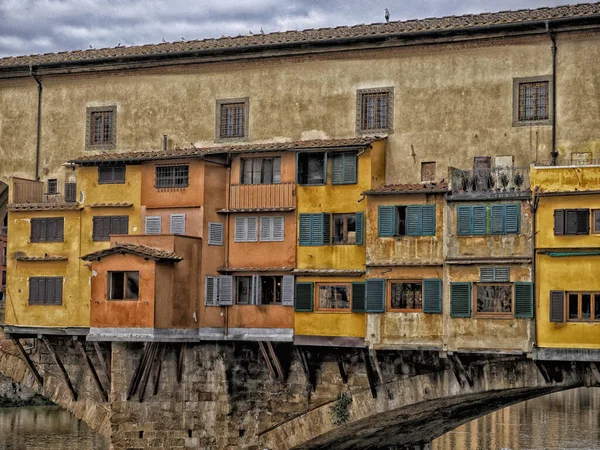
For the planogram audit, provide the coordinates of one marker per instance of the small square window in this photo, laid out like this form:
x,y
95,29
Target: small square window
x,y
375,110
101,129
344,229
312,168
261,170
111,174
494,299
123,285
406,296
334,296
172,177
531,101
427,171
52,186
232,119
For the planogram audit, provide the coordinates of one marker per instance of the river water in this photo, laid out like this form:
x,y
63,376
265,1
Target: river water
x,y
567,420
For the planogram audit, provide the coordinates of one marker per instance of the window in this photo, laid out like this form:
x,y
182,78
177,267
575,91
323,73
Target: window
x,y
333,296
375,108
261,171
232,118
597,221
271,228
153,225
343,168
344,229
4,260
215,233
177,224
314,229
572,222
101,128
406,296
270,290
176,176
104,226
52,186
494,299
312,168
479,220
264,290
246,229
427,171
243,290
47,230
531,101
123,285
45,290
411,220
111,174
583,306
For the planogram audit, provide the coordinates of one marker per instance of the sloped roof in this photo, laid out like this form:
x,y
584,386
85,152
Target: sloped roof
x,y
43,206
446,24
23,257
142,251
416,188
199,152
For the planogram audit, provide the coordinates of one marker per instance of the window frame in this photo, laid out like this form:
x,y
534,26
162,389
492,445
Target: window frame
x,y
274,303
109,284
244,161
317,305
345,227
45,278
517,82
493,315
308,154
113,179
111,231
171,177
218,112
360,96
579,294
89,134
60,220
593,229
272,220
389,296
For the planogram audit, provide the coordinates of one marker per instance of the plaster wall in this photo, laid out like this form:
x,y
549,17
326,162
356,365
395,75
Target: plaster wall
x,y
190,196
288,165
193,219
565,179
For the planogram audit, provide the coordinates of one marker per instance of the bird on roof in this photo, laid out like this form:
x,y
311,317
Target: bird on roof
x,y
250,31
262,31
119,43
91,46
164,41
182,38
387,15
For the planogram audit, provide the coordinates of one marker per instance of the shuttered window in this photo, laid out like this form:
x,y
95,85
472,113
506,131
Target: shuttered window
x,y
460,299
304,297
211,291
271,228
225,290
571,221
111,174
505,219
47,230
287,290
314,229
344,168
358,297
311,168
177,223
348,229
489,274
104,226
411,220
432,296
153,224
479,220
557,306
215,233
45,290
524,300
246,229
375,295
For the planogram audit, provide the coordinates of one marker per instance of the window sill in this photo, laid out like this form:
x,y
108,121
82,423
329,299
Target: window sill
x,y
532,123
494,316
101,147
405,310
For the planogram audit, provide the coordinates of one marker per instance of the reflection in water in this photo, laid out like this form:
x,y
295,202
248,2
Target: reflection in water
x,y
565,420
47,428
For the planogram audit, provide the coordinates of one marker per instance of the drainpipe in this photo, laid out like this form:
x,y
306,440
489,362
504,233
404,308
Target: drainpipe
x,y
226,236
535,199
554,153
39,123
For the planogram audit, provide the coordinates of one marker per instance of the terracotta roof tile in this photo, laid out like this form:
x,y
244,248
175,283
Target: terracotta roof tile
x,y
329,272
417,188
111,205
255,269
319,35
134,249
43,206
199,152
22,257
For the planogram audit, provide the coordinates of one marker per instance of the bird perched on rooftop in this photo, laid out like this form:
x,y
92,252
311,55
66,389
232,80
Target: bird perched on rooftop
x,y
261,31
164,41
182,38
91,46
119,43
250,31
387,15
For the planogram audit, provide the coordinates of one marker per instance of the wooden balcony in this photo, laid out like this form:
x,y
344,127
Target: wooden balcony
x,y
32,192
262,197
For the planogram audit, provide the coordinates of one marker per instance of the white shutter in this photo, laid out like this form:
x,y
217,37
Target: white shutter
x,y
287,290
252,229
225,290
240,233
215,233
177,223
256,290
153,225
278,224
266,229
210,288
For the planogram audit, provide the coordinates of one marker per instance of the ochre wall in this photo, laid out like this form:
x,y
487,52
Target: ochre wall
x,y
193,219
267,316
561,179
192,195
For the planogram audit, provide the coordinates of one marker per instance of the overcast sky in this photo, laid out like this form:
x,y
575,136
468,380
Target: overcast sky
x,y
42,26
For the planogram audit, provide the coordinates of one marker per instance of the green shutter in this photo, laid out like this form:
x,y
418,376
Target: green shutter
x,y
326,219
375,295
350,167
428,220
337,168
325,168
460,299
343,168
304,233
557,306
304,297
413,220
432,296
316,229
358,297
524,300
479,226
360,219
512,218
387,220
498,220
464,222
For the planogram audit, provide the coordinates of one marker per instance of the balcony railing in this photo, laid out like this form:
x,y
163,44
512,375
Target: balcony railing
x,y
32,191
493,182
262,196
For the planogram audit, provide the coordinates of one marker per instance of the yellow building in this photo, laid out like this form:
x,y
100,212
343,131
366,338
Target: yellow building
x,y
567,226
331,295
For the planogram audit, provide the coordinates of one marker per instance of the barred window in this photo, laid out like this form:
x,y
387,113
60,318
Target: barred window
x,y
533,101
52,186
232,119
375,110
172,176
101,127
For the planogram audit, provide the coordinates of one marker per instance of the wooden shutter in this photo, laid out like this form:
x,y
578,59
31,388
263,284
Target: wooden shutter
x,y
502,274
358,297
350,167
557,306
460,299
256,290
479,225
432,296
583,221
413,220
97,228
375,295
304,231
34,294
252,229
35,230
524,300
512,218
326,229
497,219
343,168
464,220
266,229
42,294
177,223
571,221
316,229
304,297
360,219
43,223
225,290
486,274
215,233
325,168
287,290
153,224
337,168
240,233
428,220
119,174
209,291
60,230
105,175
278,228
559,222
386,220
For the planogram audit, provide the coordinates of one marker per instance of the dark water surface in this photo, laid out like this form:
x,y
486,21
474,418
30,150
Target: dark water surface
x,y
567,420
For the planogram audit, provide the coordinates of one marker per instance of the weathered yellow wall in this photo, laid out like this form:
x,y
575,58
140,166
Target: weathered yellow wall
x,y
562,179
75,309
578,274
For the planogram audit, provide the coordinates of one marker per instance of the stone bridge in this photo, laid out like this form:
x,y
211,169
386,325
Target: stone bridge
x,y
263,396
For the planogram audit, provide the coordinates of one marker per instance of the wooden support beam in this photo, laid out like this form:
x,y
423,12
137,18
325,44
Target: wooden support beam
x,y
32,369
343,373
306,367
102,360
463,371
180,358
275,359
137,374
161,358
61,367
147,369
595,372
90,365
370,373
377,364
261,346
542,368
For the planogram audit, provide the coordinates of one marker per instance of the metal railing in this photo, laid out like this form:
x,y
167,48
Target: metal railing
x,y
32,191
500,181
262,196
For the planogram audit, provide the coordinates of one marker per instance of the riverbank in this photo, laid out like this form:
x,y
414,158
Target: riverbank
x,y
14,395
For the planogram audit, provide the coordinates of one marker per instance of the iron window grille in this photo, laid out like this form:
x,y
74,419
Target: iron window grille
x,y
232,118
172,177
533,101
375,110
52,186
101,128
